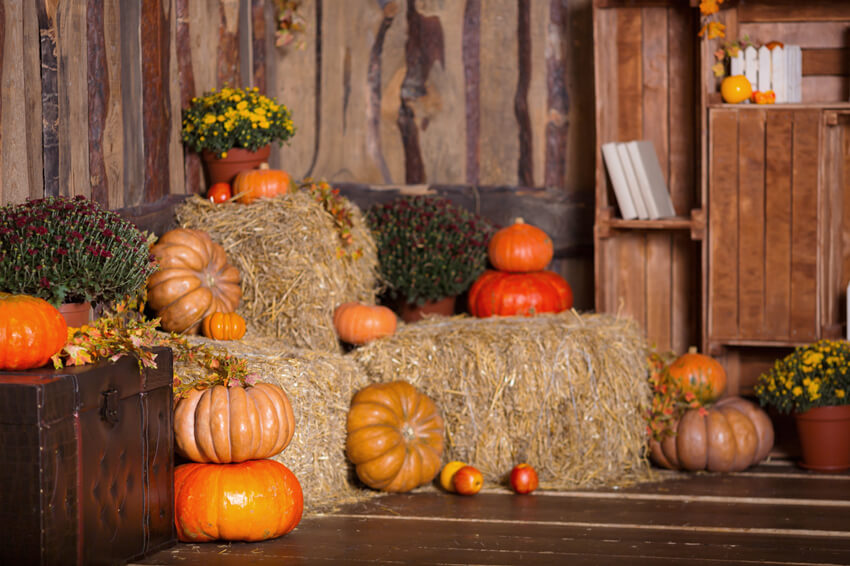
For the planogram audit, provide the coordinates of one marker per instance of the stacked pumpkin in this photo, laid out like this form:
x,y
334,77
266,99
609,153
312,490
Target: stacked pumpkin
x,y
519,284
717,434
232,491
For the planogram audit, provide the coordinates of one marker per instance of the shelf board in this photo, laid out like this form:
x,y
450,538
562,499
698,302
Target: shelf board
x,y
675,223
750,343
789,106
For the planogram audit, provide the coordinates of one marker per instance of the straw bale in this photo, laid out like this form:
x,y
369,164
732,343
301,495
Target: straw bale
x,y
565,392
286,250
320,386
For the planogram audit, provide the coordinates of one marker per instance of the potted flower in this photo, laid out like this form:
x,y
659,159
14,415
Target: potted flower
x,y
429,251
813,384
232,129
71,250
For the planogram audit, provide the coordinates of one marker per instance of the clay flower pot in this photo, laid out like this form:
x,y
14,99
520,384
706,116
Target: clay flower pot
x,y
225,169
825,438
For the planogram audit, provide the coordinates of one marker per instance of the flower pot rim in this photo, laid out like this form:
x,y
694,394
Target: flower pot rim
x,y
830,412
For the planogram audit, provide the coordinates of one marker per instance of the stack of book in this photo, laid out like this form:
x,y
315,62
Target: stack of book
x,y
638,182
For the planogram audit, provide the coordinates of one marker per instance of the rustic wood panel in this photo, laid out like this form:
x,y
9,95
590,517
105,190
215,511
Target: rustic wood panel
x,y
227,56
809,35
471,56
824,89
723,225
74,178
804,241
579,94
551,160
98,96
792,11
777,228
751,219
113,125
176,173
156,97
47,32
132,106
826,61
193,177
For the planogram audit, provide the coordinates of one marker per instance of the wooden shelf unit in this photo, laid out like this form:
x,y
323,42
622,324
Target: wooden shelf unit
x,y
765,184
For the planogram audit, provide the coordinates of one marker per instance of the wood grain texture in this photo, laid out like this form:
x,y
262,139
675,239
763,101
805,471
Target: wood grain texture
x,y
525,165
557,99
723,225
98,98
132,108
227,56
47,29
156,111
260,42
777,228
74,178
804,241
113,125
630,74
808,35
176,165
826,61
751,224
373,110
791,11
472,87
191,160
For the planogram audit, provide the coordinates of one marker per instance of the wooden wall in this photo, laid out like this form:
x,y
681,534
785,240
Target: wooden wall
x,y
387,92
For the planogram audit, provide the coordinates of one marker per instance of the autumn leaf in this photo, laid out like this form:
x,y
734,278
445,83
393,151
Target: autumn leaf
x,y
716,29
708,7
718,69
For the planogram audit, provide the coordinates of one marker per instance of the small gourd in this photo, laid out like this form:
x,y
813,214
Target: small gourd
x,y
223,326
699,374
359,324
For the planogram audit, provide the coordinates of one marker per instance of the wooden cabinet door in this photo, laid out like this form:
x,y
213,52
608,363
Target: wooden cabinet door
x,y
763,253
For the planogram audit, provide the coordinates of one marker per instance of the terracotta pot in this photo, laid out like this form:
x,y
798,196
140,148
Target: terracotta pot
x,y
76,314
411,312
224,170
825,438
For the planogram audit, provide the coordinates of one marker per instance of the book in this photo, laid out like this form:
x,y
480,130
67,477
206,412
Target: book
x,y
618,181
632,182
650,179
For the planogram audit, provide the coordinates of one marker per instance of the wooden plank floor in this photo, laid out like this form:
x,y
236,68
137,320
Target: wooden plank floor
x,y
773,514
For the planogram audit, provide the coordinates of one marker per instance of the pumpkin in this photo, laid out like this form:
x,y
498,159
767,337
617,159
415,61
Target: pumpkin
x,y
233,424
223,326
729,436
253,184
194,280
395,437
520,247
358,324
251,501
31,331
699,374
507,294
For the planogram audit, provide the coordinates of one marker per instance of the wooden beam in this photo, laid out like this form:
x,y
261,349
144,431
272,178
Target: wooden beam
x,y
793,11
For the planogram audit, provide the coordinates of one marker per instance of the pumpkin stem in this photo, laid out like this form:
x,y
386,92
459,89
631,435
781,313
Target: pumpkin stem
x,y
263,166
692,349
519,220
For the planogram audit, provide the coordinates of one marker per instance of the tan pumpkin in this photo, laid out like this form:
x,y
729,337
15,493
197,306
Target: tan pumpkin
x,y
253,184
194,280
731,435
358,324
395,437
224,425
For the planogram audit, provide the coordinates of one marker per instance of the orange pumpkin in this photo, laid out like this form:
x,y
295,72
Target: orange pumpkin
x,y
31,331
506,294
699,374
194,280
253,184
358,324
223,326
233,424
520,247
395,437
251,501
729,436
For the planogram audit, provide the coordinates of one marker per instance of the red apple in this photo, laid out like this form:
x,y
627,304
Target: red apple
x,y
523,478
468,480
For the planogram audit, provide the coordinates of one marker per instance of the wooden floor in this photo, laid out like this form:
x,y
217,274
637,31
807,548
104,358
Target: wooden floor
x,y
773,514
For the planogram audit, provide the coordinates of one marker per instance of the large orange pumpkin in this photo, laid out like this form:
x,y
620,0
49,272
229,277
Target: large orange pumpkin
x,y
31,331
729,436
194,280
358,324
520,247
251,501
507,294
233,424
223,326
699,374
395,437
253,184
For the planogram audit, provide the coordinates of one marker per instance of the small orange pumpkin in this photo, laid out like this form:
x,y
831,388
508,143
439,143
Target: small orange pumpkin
x,y
31,331
520,247
223,326
253,184
699,374
358,324
250,501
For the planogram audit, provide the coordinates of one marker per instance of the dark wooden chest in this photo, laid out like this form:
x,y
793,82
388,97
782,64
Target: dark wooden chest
x,y
86,463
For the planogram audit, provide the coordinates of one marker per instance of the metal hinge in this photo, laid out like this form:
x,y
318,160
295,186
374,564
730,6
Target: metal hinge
x,y
109,408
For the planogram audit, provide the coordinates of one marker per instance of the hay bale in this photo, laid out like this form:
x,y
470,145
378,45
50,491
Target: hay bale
x,y
320,386
563,392
286,250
